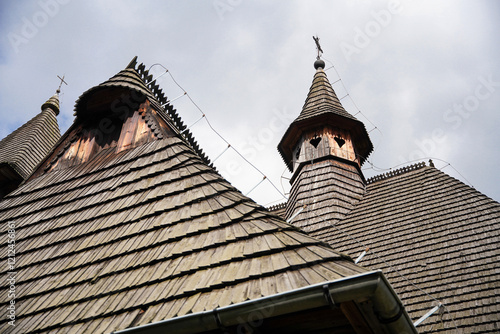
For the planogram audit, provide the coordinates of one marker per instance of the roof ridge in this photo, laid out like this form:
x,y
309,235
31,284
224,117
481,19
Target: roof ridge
x,y
395,172
167,108
276,207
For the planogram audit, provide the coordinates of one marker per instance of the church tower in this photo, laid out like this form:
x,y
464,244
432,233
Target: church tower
x,y
23,149
324,148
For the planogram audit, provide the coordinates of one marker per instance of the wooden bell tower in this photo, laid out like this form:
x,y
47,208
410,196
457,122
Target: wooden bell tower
x,y
324,148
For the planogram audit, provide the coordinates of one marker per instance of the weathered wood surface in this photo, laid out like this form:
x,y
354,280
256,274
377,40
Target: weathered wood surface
x,y
324,116
323,142
153,229
23,149
110,133
328,189
440,234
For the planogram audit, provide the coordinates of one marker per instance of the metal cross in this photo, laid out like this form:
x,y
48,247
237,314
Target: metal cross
x,y
62,80
316,40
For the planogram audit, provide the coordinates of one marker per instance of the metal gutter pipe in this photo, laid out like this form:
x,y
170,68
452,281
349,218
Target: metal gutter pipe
x,y
372,285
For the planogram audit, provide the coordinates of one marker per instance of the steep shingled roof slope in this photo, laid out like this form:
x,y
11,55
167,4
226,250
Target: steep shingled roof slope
x,y
438,232
24,148
149,234
322,99
127,237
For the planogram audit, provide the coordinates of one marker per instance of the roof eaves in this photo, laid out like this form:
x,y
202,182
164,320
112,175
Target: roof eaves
x,y
391,315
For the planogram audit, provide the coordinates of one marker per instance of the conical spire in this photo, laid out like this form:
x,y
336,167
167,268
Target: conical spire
x,y
127,79
23,149
321,109
140,85
322,98
324,148
123,112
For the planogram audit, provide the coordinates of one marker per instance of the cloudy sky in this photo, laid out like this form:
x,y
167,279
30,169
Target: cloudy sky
x,y
424,76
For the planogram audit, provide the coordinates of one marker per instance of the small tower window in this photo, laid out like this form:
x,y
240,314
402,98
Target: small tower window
x,y
315,141
339,141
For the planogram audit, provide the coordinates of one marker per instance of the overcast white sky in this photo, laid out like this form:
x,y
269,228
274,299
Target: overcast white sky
x,y
425,73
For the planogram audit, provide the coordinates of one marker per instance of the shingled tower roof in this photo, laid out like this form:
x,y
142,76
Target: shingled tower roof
x,y
22,150
129,79
435,238
321,98
126,225
322,107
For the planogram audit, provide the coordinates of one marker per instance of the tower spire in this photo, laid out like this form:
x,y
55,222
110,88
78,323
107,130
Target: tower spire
x,y
323,113
324,148
52,103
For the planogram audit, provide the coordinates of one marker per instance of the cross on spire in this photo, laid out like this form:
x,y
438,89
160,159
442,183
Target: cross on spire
x,y
62,80
318,47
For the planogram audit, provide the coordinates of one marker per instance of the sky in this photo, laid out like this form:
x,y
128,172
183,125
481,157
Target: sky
x,y
423,76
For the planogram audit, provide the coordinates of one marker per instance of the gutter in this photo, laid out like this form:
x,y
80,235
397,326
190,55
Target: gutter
x,y
391,315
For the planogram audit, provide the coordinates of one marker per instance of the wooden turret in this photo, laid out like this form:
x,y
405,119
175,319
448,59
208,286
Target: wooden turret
x,y
324,148
23,149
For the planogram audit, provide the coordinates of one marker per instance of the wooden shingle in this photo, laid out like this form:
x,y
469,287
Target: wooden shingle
x,y
440,234
142,230
23,149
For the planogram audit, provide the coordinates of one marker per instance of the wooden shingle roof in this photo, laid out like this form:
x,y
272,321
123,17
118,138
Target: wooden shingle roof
x,y
149,234
25,147
435,238
322,99
322,108
439,233
132,227
22,150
